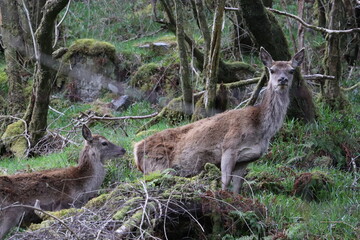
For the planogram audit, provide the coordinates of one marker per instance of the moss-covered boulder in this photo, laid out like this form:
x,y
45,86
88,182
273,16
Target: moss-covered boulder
x,y
14,139
94,67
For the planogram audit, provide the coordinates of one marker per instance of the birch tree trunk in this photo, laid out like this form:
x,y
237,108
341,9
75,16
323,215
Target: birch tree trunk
x,y
184,63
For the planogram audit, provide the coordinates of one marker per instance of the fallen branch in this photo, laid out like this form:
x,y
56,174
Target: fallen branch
x,y
122,118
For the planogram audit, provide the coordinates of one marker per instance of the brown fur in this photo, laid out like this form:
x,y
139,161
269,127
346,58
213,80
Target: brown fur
x,y
231,139
56,188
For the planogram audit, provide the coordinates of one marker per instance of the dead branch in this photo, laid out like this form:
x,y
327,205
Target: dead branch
x,y
315,28
317,77
93,117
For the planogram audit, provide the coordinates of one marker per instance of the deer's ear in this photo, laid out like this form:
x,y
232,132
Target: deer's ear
x,y
266,57
87,133
298,58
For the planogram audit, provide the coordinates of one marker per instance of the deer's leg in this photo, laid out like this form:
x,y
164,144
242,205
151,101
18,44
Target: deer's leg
x,y
8,220
238,176
227,167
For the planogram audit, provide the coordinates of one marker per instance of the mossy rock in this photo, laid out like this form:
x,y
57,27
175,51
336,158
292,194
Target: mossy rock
x,y
157,82
14,140
312,186
91,47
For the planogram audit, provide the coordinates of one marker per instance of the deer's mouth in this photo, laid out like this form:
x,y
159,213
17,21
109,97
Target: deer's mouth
x,y
283,85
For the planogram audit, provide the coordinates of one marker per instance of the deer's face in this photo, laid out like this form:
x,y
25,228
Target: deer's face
x,y
281,75
281,72
101,146
107,149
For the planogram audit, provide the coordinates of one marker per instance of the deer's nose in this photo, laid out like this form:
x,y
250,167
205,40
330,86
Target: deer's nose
x,y
283,80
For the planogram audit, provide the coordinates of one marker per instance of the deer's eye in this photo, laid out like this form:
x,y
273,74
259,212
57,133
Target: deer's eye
x,y
104,143
292,71
272,70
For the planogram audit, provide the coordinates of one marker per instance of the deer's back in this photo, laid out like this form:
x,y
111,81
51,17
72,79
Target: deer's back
x,y
50,187
189,147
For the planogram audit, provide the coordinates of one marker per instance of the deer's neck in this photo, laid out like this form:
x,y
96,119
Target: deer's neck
x,y
91,169
273,110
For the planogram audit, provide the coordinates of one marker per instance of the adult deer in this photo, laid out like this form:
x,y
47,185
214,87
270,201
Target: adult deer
x,y
56,188
231,139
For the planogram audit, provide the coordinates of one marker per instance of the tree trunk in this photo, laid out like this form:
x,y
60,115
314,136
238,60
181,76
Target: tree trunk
x,y
212,68
14,55
184,64
267,33
203,28
37,110
332,62
321,13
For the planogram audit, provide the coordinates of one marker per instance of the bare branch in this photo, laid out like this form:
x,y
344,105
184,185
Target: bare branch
x,y
36,51
319,29
318,77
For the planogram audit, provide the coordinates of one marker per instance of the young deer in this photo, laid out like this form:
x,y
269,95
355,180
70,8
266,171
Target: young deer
x,y
231,139
56,188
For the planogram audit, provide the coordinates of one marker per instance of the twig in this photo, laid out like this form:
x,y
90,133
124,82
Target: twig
x,y
54,110
36,51
44,212
60,22
319,29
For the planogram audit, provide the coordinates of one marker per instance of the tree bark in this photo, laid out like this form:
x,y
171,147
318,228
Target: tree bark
x,y
212,68
331,93
36,115
203,28
14,55
184,64
267,33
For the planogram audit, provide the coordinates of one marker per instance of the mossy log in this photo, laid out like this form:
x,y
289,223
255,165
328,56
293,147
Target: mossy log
x,y
167,205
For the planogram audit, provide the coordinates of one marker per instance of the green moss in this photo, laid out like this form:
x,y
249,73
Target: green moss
x,y
98,201
142,76
128,205
49,220
13,138
91,47
3,82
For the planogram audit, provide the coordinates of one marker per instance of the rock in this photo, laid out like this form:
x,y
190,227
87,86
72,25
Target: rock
x,y
121,103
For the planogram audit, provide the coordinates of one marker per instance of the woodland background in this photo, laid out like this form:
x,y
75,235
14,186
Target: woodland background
x,y
166,63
